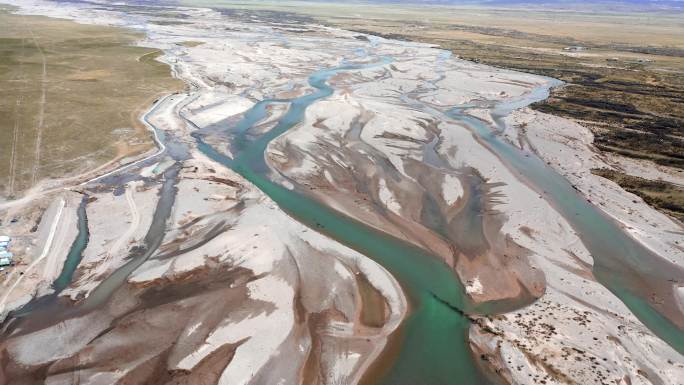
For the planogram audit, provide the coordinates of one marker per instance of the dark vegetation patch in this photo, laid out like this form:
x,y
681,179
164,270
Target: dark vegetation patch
x,y
664,196
267,16
603,105
569,41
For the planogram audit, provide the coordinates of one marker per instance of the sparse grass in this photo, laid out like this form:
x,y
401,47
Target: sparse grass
x,y
96,84
191,43
150,57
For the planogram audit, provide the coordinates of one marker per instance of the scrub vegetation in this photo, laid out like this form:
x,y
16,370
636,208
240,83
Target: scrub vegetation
x,y
72,95
662,195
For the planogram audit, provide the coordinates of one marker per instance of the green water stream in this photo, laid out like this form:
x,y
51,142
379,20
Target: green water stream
x,y
623,265
76,251
434,349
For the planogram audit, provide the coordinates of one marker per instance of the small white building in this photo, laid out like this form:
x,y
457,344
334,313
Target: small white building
x,y
5,258
4,241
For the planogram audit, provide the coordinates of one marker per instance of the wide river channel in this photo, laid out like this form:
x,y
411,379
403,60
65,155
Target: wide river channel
x,y
434,348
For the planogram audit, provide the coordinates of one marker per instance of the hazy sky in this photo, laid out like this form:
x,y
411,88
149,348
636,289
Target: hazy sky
x,y
647,4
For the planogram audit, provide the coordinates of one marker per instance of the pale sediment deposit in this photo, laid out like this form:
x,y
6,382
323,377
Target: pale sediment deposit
x,y
242,251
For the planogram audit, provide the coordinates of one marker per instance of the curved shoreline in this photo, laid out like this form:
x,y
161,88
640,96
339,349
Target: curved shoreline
x,y
611,267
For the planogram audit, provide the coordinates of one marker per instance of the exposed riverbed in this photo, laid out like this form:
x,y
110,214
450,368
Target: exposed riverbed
x,y
379,155
433,346
423,285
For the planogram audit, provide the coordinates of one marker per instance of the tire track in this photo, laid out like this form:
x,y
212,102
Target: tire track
x,y
13,156
41,111
15,134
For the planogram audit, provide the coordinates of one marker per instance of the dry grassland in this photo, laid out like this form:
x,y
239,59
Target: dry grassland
x,y
72,96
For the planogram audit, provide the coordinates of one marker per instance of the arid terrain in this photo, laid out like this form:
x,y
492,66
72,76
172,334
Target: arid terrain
x,y
72,94
332,204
